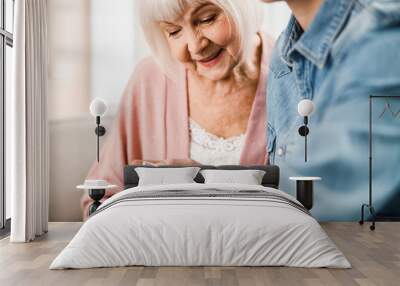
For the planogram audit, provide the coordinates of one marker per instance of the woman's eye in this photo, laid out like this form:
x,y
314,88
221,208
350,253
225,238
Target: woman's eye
x,y
208,19
173,33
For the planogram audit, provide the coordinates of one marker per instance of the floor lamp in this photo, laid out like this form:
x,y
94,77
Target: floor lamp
x,y
369,206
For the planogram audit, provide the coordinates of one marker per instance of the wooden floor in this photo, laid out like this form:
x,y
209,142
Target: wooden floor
x,y
375,257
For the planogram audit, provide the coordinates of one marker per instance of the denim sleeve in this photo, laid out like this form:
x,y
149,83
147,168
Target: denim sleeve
x,y
339,131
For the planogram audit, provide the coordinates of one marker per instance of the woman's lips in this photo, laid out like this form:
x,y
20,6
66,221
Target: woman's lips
x,y
213,60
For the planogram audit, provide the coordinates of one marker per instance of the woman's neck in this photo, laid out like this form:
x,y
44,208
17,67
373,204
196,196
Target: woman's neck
x,y
305,11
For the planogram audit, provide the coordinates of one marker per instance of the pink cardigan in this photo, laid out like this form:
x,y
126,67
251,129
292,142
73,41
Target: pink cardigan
x,y
153,124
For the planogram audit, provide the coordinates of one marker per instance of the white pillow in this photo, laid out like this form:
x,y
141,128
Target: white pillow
x,y
162,176
248,177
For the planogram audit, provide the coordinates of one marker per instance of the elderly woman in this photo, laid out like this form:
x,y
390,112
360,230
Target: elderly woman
x,y
201,98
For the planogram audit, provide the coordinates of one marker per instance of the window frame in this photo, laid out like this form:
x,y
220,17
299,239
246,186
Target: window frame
x,y
6,39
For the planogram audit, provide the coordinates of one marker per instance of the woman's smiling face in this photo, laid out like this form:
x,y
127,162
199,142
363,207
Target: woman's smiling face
x,y
205,40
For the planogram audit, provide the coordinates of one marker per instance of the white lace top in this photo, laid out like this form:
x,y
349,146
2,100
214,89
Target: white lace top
x,y
209,149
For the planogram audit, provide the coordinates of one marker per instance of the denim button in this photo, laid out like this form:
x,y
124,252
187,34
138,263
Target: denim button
x,y
281,151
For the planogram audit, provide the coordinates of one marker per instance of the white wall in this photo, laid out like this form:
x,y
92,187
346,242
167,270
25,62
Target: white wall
x,y
276,18
116,47
72,153
69,60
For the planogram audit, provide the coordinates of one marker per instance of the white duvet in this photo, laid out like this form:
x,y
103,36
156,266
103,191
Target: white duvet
x,y
200,231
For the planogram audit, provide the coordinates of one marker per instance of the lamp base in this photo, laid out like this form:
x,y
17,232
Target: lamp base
x,y
373,215
96,195
305,193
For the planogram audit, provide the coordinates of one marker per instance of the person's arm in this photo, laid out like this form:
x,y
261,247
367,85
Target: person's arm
x,y
182,162
339,129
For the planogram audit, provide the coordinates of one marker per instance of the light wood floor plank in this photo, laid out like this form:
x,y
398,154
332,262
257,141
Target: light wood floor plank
x,y
375,257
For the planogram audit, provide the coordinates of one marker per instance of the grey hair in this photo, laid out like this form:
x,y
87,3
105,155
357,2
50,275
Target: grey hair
x,y
247,16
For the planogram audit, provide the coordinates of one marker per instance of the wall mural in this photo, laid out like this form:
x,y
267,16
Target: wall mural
x,y
387,110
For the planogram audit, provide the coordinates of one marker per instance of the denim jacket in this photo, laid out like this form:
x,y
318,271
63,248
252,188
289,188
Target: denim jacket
x,y
350,51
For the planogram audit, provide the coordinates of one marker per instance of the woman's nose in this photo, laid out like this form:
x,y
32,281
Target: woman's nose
x,y
196,42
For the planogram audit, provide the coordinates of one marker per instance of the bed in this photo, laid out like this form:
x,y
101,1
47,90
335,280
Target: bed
x,y
201,224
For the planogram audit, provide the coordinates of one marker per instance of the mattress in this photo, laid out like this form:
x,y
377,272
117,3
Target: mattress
x,y
201,225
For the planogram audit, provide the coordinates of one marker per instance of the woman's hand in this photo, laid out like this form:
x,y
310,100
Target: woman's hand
x,y
182,162
142,162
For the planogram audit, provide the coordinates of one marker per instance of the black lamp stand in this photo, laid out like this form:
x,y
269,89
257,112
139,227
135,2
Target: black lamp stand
x,y
305,193
304,131
369,206
97,194
100,131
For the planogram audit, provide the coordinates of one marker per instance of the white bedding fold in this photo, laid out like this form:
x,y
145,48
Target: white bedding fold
x,y
181,231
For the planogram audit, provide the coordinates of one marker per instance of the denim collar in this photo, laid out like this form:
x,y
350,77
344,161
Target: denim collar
x,y
316,43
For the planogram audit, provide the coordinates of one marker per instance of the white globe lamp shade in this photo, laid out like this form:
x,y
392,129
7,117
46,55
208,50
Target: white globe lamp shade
x,y
305,107
98,107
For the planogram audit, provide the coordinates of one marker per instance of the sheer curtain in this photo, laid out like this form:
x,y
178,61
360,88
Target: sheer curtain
x,y
27,137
